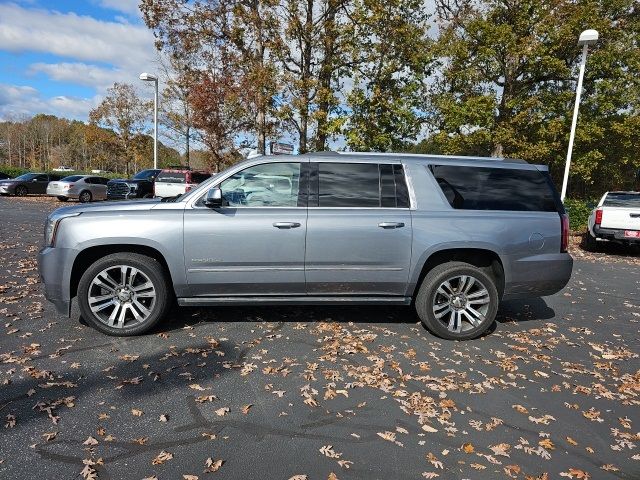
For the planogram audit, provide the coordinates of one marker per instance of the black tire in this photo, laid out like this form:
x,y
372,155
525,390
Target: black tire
x,y
151,268
590,242
429,293
21,191
85,196
63,199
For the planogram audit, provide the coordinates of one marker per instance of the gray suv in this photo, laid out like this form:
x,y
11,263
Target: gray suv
x,y
450,235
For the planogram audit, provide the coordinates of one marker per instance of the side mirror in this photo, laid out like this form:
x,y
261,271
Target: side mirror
x,y
213,198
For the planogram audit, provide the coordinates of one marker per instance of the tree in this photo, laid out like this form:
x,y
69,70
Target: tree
x,y
506,84
392,57
124,112
176,111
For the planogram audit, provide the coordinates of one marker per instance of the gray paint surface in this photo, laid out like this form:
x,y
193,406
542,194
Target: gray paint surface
x,y
335,254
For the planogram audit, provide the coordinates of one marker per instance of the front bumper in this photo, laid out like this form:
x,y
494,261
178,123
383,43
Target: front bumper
x,y
613,234
5,190
54,268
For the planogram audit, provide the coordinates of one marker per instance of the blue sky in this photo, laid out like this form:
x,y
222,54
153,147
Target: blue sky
x,y
60,56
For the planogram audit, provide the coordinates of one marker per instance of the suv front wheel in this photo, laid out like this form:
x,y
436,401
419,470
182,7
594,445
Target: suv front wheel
x,y
457,301
123,294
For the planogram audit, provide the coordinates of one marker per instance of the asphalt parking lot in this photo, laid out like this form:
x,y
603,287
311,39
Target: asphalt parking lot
x,y
319,393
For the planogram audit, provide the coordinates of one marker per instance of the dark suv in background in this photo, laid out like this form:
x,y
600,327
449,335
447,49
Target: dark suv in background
x,y
139,186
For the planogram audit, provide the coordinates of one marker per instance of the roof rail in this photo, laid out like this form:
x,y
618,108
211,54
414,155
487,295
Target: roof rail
x,y
429,155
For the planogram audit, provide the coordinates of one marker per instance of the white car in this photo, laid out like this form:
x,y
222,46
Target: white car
x,y
63,168
615,219
176,181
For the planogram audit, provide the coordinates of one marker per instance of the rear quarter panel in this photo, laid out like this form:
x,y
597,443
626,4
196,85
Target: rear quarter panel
x,y
527,243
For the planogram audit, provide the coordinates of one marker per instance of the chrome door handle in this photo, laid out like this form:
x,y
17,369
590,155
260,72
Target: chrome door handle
x,y
391,225
285,225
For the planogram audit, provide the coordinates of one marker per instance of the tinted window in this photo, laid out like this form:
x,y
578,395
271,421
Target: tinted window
x,y
171,177
26,176
483,188
52,178
72,178
145,174
348,185
266,185
199,177
619,199
44,178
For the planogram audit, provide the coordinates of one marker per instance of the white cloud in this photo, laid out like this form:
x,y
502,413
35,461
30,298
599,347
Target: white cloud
x,y
82,74
74,36
19,101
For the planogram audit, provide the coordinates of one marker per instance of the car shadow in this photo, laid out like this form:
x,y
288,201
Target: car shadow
x,y
524,310
180,317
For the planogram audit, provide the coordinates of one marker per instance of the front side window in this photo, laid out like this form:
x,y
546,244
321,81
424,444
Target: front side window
x,y
266,185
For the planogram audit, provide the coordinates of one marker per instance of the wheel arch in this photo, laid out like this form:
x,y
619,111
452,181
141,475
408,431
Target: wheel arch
x,y
485,258
89,255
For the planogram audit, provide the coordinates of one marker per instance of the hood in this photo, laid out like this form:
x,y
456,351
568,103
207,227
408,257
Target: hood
x,y
116,206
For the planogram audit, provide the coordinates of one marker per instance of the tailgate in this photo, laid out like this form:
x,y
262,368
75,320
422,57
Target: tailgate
x,y
621,218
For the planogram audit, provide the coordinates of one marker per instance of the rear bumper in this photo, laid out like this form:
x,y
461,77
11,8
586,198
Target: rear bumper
x,y
613,234
538,275
54,268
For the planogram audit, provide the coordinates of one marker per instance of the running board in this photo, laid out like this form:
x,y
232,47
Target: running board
x,y
299,300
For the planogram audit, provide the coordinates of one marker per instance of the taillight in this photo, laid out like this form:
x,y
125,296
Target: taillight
x,y
598,216
564,221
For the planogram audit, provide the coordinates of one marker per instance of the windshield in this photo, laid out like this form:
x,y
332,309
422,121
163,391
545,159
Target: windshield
x,y
72,178
26,176
144,174
616,199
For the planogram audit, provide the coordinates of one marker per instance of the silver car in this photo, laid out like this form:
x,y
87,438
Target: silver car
x,y
451,236
85,188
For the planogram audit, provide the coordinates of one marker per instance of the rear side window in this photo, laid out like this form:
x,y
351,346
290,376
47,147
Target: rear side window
x,y
171,177
359,185
484,188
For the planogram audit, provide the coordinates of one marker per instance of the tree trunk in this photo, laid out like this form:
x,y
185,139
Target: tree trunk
x,y
324,77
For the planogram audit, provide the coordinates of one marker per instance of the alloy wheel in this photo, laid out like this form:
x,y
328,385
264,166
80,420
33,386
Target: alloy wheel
x,y
121,296
461,303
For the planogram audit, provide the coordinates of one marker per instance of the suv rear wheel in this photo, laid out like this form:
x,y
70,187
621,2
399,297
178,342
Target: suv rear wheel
x,y
124,294
457,301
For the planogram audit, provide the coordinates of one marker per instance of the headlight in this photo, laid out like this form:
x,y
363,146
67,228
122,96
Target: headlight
x,y
52,224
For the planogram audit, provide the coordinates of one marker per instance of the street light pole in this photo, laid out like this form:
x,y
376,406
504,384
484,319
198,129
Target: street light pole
x,y
588,37
147,77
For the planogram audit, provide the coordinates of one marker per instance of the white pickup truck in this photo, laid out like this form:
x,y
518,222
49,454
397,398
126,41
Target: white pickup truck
x,y
615,219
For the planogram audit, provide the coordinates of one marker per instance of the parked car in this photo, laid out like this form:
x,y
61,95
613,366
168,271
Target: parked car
x,y
615,219
84,188
139,186
26,184
176,181
452,236
63,168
